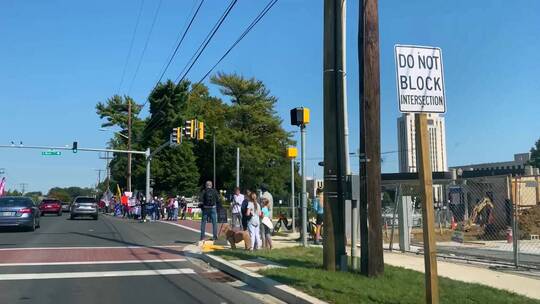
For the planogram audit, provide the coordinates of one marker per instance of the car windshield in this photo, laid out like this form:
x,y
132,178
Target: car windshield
x,y
85,200
15,202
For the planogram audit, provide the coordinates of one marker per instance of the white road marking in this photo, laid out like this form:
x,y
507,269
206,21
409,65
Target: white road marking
x,y
92,262
186,227
89,247
96,274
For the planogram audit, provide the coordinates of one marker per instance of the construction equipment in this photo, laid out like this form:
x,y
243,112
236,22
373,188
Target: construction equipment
x,y
484,203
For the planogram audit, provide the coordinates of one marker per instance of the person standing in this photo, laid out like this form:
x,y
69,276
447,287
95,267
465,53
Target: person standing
x,y
265,194
267,224
318,208
238,199
243,210
175,209
209,199
254,212
183,207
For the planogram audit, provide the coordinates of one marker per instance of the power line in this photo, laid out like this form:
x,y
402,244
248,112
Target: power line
x,y
205,42
181,40
246,31
145,46
178,44
194,59
130,47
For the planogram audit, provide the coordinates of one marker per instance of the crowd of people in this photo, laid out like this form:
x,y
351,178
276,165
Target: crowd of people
x,y
170,209
249,213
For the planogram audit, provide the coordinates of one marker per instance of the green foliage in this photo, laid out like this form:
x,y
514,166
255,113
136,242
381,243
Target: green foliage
x,y
60,194
36,196
252,124
174,170
115,113
14,192
248,121
70,193
535,155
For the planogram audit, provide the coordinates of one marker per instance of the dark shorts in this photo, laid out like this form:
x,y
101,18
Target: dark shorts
x,y
267,231
320,219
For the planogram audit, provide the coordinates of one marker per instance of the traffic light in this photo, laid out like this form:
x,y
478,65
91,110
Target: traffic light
x,y
176,136
189,128
299,116
200,131
74,147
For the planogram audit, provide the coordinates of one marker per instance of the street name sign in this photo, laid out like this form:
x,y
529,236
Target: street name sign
x,y
51,153
420,79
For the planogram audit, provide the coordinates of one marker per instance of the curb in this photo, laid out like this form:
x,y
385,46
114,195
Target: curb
x,y
278,290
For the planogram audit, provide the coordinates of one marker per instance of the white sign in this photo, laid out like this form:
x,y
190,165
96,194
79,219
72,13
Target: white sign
x,y
420,79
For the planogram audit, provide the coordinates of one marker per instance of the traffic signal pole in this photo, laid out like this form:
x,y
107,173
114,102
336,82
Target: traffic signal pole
x,y
146,153
304,193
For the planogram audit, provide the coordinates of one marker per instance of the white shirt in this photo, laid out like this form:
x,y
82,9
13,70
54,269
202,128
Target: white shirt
x,y
238,199
254,221
175,204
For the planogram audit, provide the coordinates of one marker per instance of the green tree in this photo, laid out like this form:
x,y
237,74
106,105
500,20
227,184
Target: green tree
x,y
252,124
13,193
174,170
115,113
60,194
535,155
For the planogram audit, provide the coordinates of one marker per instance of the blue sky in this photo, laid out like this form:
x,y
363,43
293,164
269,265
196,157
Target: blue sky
x,y
59,58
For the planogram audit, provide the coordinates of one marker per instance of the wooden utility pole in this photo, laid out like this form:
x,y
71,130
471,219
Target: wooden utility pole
x,y
334,254
426,187
371,260
129,147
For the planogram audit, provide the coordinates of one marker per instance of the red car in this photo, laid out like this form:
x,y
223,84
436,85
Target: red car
x,y
50,206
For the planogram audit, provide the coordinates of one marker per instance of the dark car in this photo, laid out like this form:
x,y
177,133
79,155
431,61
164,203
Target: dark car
x,y
50,206
84,206
18,212
65,206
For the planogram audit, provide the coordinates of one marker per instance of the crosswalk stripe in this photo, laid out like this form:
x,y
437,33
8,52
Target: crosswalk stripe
x,y
92,262
94,274
97,247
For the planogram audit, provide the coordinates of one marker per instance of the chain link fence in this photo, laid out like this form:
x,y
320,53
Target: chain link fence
x,y
494,219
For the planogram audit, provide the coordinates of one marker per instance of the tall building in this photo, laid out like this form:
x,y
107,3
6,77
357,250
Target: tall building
x,y
407,143
437,147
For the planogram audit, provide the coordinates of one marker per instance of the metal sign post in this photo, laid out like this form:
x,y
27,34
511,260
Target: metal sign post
x,y
420,88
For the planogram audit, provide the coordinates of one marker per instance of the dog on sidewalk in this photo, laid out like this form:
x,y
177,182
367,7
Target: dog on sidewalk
x,y
236,236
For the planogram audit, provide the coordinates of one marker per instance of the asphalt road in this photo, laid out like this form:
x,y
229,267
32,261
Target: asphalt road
x,y
110,260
